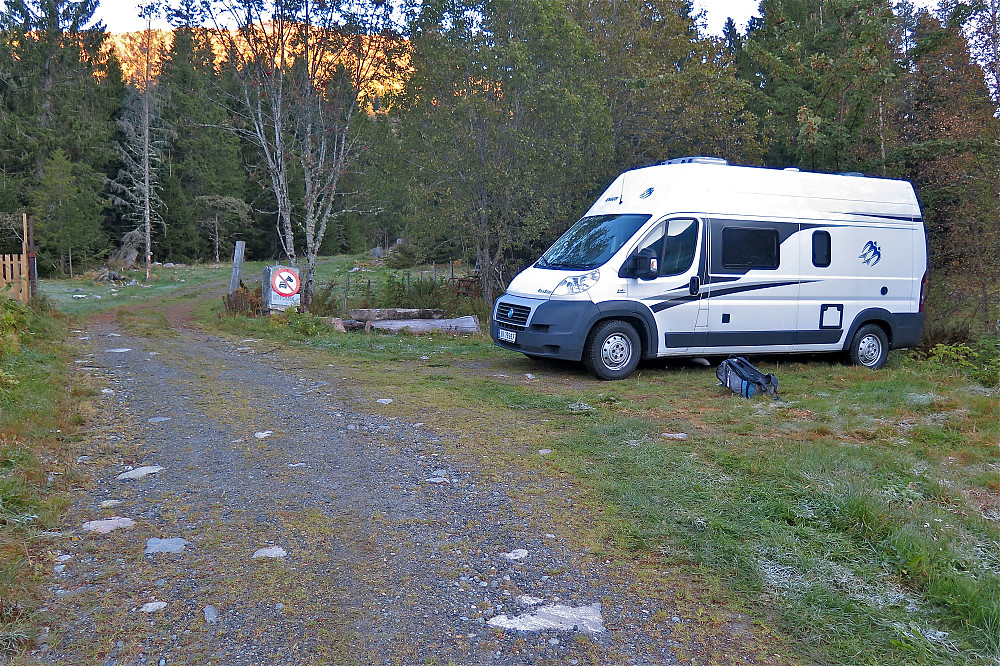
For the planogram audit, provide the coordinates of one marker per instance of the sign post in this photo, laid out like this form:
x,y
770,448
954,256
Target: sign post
x,y
281,285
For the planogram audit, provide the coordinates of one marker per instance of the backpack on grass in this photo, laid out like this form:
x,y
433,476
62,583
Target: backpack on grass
x,y
743,379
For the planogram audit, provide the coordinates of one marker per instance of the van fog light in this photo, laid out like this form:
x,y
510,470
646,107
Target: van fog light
x,y
577,284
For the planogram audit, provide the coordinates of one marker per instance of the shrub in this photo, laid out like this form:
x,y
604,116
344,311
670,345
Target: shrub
x,y
245,302
13,321
978,358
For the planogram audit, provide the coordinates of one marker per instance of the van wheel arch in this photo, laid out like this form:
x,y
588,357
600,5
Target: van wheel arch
x,y
614,347
868,346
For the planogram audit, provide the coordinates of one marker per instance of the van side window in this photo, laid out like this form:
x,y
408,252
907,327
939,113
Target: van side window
x,y
821,249
744,247
680,245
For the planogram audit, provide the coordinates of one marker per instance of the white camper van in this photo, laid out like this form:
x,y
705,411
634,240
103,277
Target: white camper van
x,y
694,257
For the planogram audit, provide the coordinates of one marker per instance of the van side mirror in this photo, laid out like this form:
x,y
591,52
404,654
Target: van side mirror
x,y
647,264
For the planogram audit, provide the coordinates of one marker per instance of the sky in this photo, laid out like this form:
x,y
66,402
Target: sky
x,y
122,15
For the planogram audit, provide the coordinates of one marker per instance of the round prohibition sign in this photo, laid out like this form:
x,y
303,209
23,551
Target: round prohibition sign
x,y
285,282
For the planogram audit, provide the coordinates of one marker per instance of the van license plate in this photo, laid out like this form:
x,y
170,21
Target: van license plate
x,y
507,336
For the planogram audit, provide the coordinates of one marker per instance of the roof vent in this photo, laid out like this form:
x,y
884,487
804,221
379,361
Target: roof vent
x,y
856,174
696,160
790,169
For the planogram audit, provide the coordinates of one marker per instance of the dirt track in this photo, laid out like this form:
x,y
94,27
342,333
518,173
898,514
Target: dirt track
x,y
398,549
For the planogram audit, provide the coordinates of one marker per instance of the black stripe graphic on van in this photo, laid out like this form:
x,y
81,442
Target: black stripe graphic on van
x,y
725,291
750,338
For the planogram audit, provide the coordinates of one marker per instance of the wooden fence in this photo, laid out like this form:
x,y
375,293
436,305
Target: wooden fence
x,y
14,280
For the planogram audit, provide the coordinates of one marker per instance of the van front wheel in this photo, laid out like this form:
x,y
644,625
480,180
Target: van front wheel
x,y
612,350
869,348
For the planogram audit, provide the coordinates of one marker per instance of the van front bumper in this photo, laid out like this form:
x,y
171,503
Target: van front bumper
x,y
553,329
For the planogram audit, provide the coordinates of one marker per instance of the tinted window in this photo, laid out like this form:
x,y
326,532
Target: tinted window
x,y
591,242
750,248
821,249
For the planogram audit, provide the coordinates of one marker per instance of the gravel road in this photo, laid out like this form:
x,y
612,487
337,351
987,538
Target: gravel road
x,y
392,548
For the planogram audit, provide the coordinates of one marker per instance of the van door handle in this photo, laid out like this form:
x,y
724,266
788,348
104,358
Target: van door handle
x,y
694,286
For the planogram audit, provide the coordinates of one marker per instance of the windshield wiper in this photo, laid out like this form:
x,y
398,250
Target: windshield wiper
x,y
558,264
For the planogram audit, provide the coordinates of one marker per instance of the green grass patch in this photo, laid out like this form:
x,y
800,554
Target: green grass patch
x,y
85,296
38,414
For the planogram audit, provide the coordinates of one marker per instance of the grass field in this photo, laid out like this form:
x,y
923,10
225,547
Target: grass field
x,y
859,516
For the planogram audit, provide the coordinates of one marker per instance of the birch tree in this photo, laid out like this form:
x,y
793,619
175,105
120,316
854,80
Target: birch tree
x,y
308,73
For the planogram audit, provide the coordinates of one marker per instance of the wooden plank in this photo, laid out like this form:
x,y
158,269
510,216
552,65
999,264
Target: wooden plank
x,y
234,279
14,277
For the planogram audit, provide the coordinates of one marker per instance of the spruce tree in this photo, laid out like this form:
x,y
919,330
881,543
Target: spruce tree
x,y
949,149
201,158
59,92
670,91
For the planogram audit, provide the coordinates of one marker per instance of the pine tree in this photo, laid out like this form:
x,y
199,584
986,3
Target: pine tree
x,y
823,72
670,92
59,91
508,132
140,148
67,211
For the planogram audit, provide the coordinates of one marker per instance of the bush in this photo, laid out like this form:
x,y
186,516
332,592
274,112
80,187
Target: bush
x,y
978,358
405,255
14,319
245,302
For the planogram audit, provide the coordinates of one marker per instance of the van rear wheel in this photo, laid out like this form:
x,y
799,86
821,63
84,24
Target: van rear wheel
x,y
612,350
869,348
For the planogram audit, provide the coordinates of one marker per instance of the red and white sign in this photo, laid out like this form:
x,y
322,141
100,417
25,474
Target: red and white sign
x,y
285,282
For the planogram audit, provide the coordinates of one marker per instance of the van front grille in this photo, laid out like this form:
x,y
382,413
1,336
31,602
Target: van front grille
x,y
513,316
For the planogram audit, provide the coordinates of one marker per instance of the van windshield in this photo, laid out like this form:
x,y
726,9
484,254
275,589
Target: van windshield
x,y
591,242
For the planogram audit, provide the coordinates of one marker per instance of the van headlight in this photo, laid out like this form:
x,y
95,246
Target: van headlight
x,y
577,284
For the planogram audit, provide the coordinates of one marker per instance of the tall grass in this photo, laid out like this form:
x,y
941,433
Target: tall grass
x,y
35,423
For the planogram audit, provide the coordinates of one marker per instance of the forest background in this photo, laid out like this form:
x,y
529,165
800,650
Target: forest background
x,y
477,130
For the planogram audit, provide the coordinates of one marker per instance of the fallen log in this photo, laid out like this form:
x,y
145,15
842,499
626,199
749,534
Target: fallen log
x,y
390,314
467,324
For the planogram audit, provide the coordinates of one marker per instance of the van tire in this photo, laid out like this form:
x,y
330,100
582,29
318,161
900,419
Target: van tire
x,y
869,347
612,350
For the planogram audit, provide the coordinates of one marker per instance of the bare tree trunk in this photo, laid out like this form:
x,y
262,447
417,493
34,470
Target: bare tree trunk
x,y
216,238
146,185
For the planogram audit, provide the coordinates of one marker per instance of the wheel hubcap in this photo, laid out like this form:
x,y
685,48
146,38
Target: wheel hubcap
x,y
869,350
616,352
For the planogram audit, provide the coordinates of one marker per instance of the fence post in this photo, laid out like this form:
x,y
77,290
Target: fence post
x,y
32,257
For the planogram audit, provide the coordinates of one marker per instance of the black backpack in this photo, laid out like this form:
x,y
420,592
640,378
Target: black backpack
x,y
743,379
